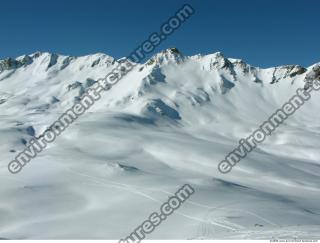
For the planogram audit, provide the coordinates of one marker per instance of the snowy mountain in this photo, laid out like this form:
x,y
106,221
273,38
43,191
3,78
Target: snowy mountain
x,y
168,122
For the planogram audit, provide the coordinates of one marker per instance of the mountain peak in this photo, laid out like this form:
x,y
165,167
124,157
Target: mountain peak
x,y
170,55
173,50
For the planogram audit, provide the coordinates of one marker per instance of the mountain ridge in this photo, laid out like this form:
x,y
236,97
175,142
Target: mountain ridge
x,y
167,86
174,52
167,122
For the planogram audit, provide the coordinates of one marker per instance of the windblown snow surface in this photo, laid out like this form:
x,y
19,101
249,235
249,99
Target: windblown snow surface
x,y
168,122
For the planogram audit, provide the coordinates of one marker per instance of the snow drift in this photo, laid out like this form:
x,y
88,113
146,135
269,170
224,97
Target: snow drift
x,y
168,122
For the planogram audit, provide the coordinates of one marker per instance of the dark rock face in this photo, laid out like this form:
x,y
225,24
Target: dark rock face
x,y
289,71
96,62
30,131
297,70
158,108
220,62
53,60
174,50
26,60
316,71
311,76
10,63
2,101
66,62
170,54
74,85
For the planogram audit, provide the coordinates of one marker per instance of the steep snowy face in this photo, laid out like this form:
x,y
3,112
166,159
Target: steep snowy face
x,y
168,56
169,86
202,89
43,81
168,122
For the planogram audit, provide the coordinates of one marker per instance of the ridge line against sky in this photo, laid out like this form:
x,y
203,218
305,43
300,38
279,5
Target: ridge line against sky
x,y
154,54
263,33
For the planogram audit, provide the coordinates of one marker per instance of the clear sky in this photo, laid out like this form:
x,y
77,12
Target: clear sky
x,y
263,33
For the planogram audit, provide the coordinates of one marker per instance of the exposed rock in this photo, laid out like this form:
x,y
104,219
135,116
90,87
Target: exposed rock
x,y
2,101
157,108
219,61
74,85
169,55
8,64
66,62
96,62
52,60
297,70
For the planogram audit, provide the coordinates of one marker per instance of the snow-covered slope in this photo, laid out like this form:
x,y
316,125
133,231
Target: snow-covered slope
x,y
168,122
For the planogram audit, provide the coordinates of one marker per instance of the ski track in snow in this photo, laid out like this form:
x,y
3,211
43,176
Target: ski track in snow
x,y
168,122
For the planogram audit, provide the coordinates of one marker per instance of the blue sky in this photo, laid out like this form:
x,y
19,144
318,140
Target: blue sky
x,y
263,33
